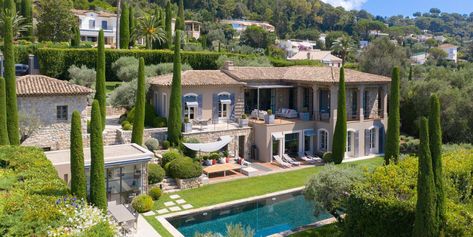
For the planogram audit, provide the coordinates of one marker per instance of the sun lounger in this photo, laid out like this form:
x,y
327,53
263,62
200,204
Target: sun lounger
x,y
317,159
281,162
290,160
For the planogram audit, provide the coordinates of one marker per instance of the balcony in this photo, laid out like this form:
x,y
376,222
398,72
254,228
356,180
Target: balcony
x,y
374,114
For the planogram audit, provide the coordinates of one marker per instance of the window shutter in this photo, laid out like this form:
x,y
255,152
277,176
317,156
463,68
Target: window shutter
x,y
215,108
367,142
357,142
199,110
232,106
183,108
381,140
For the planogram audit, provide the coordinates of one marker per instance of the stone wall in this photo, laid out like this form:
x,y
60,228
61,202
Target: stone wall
x,y
188,183
111,111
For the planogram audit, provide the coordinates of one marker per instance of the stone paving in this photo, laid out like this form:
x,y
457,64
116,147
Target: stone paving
x,y
177,204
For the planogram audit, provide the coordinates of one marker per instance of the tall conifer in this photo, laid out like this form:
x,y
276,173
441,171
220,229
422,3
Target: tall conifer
x,y
168,26
97,195
175,110
3,114
139,121
340,133
392,147
78,180
100,79
124,27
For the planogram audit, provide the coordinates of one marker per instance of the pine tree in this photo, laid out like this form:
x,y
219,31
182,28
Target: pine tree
x,y
10,77
3,114
435,133
27,13
132,23
97,195
394,126
139,121
78,180
75,40
100,78
124,27
180,17
175,111
425,219
340,133
168,27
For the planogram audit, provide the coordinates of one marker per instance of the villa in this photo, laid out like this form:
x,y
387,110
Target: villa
x,y
90,23
241,25
304,100
451,50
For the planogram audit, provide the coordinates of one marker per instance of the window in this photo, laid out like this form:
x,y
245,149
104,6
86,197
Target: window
x,y
163,104
91,24
354,103
66,178
62,112
291,144
104,25
349,143
373,138
307,143
223,108
191,106
306,100
323,140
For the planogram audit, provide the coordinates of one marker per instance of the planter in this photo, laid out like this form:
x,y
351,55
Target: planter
x,y
222,160
189,183
207,162
269,119
187,127
243,122
214,162
304,116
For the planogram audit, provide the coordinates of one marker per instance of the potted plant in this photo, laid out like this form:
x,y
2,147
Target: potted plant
x,y
304,115
207,160
187,125
226,156
214,156
243,120
269,117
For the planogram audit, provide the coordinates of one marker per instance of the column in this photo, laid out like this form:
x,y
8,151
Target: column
x,y
361,94
385,101
315,101
333,103
300,98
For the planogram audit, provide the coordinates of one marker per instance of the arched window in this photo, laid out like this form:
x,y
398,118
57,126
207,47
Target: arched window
x,y
191,106
323,140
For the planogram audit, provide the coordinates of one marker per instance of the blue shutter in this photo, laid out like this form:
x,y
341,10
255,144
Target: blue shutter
x,y
232,106
199,110
367,142
215,108
183,108
357,143
381,140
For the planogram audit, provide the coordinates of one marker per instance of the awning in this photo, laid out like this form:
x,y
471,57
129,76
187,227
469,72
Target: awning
x,y
309,133
192,104
225,101
211,146
278,136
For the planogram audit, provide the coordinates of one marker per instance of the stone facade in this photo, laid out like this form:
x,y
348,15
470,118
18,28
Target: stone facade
x,y
188,183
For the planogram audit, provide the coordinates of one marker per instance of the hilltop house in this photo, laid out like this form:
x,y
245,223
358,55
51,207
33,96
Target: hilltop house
x,y
191,28
305,50
451,50
90,23
50,102
241,25
304,100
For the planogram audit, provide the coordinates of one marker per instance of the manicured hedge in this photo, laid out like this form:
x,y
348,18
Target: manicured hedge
x,y
54,62
384,204
142,203
184,168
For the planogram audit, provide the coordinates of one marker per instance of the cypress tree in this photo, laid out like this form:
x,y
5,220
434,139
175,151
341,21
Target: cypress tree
x,y
27,13
410,73
75,40
340,133
10,77
3,114
139,122
132,23
435,133
175,110
100,78
78,180
425,219
10,5
97,195
180,17
394,126
168,26
124,27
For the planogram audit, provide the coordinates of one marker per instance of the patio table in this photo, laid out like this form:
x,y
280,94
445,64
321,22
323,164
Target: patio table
x,y
221,168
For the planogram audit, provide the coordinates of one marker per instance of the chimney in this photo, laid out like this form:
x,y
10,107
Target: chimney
x,y
228,65
31,65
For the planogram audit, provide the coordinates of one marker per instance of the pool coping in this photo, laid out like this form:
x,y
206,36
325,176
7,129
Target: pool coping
x,y
174,232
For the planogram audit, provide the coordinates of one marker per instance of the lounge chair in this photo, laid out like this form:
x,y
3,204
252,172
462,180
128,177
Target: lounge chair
x,y
281,162
310,156
288,159
306,158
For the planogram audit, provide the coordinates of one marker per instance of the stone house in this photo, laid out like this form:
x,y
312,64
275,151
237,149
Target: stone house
x,y
50,102
304,100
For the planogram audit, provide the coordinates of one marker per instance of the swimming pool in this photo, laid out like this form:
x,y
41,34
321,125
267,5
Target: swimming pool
x,y
265,216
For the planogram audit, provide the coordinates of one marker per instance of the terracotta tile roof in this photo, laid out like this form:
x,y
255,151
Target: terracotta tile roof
x,y
303,74
316,55
197,78
39,85
99,13
447,46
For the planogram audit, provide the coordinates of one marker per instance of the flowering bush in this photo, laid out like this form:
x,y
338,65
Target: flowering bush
x,y
81,217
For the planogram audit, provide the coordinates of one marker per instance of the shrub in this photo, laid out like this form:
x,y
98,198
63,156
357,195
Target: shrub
x,y
166,68
124,96
184,168
327,157
82,76
152,144
170,156
260,61
142,203
127,126
159,122
166,144
155,173
155,193
188,152
214,156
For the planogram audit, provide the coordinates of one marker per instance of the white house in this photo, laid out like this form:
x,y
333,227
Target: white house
x,y
294,46
419,58
324,57
90,23
241,25
451,50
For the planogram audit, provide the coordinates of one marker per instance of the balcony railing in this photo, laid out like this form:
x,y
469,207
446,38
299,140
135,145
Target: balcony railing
x,y
322,115
374,114
353,116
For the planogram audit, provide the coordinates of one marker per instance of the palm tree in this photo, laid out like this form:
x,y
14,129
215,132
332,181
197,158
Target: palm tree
x,y
149,28
19,23
342,47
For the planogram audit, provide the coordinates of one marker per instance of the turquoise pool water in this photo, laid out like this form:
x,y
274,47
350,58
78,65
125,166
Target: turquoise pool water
x,y
265,217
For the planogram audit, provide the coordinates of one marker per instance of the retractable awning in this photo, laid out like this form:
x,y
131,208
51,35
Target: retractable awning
x,y
210,146
278,136
309,133
225,101
192,104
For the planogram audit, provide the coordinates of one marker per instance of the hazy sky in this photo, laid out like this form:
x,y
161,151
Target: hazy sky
x,y
404,7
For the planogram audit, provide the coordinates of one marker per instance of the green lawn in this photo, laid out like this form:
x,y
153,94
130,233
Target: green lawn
x,y
111,85
244,188
331,230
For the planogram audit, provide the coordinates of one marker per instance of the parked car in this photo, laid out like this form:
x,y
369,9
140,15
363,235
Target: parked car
x,y
21,69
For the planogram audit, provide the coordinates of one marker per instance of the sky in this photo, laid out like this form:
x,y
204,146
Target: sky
x,y
404,7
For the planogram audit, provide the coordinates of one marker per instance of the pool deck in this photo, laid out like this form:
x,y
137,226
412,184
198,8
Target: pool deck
x,y
174,232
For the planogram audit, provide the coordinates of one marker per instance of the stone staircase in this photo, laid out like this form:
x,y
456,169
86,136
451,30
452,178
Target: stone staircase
x,y
169,185
110,137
